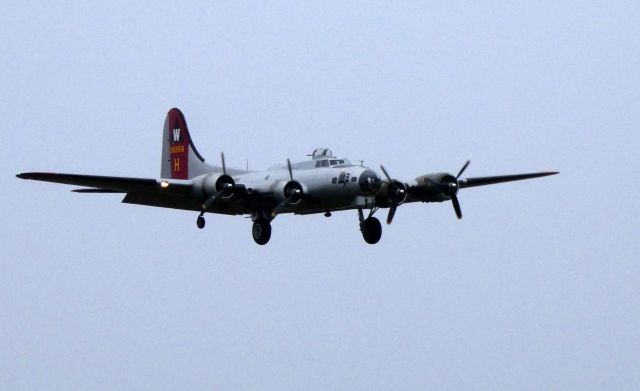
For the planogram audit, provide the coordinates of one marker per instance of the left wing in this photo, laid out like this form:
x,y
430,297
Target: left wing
x,y
444,186
491,180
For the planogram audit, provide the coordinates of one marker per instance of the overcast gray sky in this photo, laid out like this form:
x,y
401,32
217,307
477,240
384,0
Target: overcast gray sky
x,y
536,288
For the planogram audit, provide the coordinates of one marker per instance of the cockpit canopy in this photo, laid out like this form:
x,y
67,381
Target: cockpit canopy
x,y
332,162
320,158
323,157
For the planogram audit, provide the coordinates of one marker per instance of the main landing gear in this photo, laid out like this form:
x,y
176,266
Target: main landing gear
x,y
370,227
261,231
200,221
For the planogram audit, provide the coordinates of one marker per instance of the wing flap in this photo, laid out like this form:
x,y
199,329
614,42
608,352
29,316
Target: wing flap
x,y
97,191
162,201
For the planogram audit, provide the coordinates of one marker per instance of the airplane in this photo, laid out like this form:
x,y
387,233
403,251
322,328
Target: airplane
x,y
322,184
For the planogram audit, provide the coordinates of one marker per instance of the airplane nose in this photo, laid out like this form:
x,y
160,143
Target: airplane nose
x,y
369,181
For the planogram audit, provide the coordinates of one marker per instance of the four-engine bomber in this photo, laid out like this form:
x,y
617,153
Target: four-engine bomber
x,y
323,184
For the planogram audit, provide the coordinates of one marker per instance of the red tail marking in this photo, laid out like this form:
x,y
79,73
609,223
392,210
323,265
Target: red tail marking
x,y
178,145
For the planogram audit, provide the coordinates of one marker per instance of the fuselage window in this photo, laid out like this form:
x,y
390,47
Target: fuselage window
x,y
334,180
325,163
334,162
353,179
318,163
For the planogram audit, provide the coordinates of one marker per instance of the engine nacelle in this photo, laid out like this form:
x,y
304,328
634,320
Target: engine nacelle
x,y
436,187
209,185
395,191
291,190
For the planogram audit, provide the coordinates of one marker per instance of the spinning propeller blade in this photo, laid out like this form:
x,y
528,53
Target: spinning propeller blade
x,y
396,193
463,168
392,212
289,167
385,173
456,206
454,187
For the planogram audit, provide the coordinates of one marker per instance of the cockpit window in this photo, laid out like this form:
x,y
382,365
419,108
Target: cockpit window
x,y
332,162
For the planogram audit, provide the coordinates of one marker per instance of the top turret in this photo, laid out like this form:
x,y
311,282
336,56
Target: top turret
x,y
321,153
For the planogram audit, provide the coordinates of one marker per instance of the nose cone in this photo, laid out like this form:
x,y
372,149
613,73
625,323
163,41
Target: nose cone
x,y
369,181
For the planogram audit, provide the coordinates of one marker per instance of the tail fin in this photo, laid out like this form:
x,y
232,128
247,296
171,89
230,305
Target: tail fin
x,y
180,158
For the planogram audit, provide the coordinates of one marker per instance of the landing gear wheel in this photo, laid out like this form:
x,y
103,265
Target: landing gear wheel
x,y
261,231
371,230
200,222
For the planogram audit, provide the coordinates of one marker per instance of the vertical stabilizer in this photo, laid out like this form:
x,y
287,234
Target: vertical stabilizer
x,y
180,158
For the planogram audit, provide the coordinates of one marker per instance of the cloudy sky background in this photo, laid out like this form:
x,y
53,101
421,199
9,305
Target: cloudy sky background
x,y
536,288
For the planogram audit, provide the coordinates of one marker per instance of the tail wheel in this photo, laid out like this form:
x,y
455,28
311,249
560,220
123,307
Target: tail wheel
x,y
261,231
371,230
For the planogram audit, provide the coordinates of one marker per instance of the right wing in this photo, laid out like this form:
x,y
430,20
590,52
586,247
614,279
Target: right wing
x,y
168,193
112,184
164,193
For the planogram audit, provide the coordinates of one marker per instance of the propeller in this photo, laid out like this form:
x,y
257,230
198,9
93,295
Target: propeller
x,y
225,186
397,193
463,168
289,167
292,193
454,186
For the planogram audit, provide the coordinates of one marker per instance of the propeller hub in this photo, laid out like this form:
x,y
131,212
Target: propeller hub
x,y
293,191
225,185
450,186
397,192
